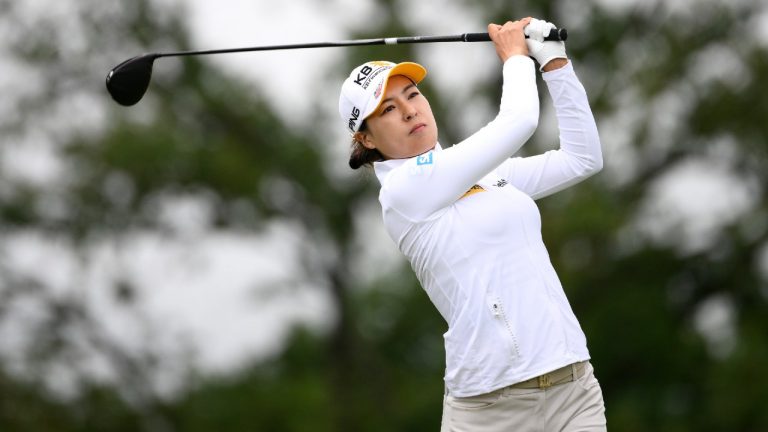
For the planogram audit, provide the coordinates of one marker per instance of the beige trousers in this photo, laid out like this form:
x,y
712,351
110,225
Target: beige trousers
x,y
568,407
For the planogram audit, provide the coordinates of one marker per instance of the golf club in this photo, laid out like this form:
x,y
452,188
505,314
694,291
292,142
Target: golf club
x,y
128,81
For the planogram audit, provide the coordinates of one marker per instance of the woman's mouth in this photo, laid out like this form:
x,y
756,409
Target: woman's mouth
x,y
418,128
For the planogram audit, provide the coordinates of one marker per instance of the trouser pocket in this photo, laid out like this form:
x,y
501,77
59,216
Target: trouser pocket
x,y
478,402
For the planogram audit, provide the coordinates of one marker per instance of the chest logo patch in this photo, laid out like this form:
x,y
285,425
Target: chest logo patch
x,y
473,190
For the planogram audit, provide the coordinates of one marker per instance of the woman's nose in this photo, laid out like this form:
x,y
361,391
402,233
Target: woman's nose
x,y
409,112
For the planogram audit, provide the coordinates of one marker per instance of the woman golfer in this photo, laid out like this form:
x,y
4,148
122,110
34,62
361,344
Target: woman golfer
x,y
465,217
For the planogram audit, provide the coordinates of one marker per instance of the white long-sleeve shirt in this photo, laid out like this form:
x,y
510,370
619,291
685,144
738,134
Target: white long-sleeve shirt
x,y
466,220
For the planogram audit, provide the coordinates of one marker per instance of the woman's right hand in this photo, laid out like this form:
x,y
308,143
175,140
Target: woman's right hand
x,y
509,39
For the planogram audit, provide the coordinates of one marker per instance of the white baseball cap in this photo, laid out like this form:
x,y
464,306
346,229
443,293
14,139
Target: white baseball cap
x,y
361,93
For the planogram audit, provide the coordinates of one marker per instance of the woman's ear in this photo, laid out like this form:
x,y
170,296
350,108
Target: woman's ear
x,y
365,139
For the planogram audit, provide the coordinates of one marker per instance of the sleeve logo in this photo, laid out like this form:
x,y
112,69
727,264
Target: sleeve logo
x,y
425,159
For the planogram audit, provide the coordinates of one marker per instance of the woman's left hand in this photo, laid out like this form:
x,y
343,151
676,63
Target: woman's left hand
x,y
509,39
549,54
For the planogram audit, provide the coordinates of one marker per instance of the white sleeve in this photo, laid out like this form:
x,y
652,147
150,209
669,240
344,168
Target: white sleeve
x,y
435,180
579,156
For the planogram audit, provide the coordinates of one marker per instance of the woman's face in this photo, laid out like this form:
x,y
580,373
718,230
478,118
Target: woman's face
x,y
403,126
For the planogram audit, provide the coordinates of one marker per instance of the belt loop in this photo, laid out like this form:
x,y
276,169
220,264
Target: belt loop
x,y
573,371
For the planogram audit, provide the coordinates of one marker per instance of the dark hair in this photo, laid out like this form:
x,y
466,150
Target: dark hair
x,y
362,155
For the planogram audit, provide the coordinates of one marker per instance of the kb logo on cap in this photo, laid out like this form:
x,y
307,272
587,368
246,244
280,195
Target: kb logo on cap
x,y
364,72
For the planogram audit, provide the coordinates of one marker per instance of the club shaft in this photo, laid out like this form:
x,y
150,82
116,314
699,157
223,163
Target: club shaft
x,y
464,37
357,42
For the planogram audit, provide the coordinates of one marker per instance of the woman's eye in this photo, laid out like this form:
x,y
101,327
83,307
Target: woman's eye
x,y
413,95
387,109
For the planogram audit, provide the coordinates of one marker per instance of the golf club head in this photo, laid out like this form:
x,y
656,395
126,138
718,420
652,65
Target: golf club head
x,y
128,81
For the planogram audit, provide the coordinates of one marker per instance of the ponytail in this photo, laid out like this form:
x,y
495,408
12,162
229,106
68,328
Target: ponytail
x,y
362,155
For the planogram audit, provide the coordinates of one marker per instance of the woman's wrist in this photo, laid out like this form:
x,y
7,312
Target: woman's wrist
x,y
554,64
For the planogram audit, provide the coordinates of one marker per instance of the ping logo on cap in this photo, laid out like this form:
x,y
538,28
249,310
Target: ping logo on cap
x,y
353,118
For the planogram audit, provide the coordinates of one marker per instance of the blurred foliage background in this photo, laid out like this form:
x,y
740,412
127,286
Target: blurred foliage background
x,y
664,255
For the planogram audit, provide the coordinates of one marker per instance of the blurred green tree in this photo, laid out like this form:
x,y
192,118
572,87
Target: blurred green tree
x,y
677,332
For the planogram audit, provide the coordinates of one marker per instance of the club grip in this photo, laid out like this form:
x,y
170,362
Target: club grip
x,y
555,34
